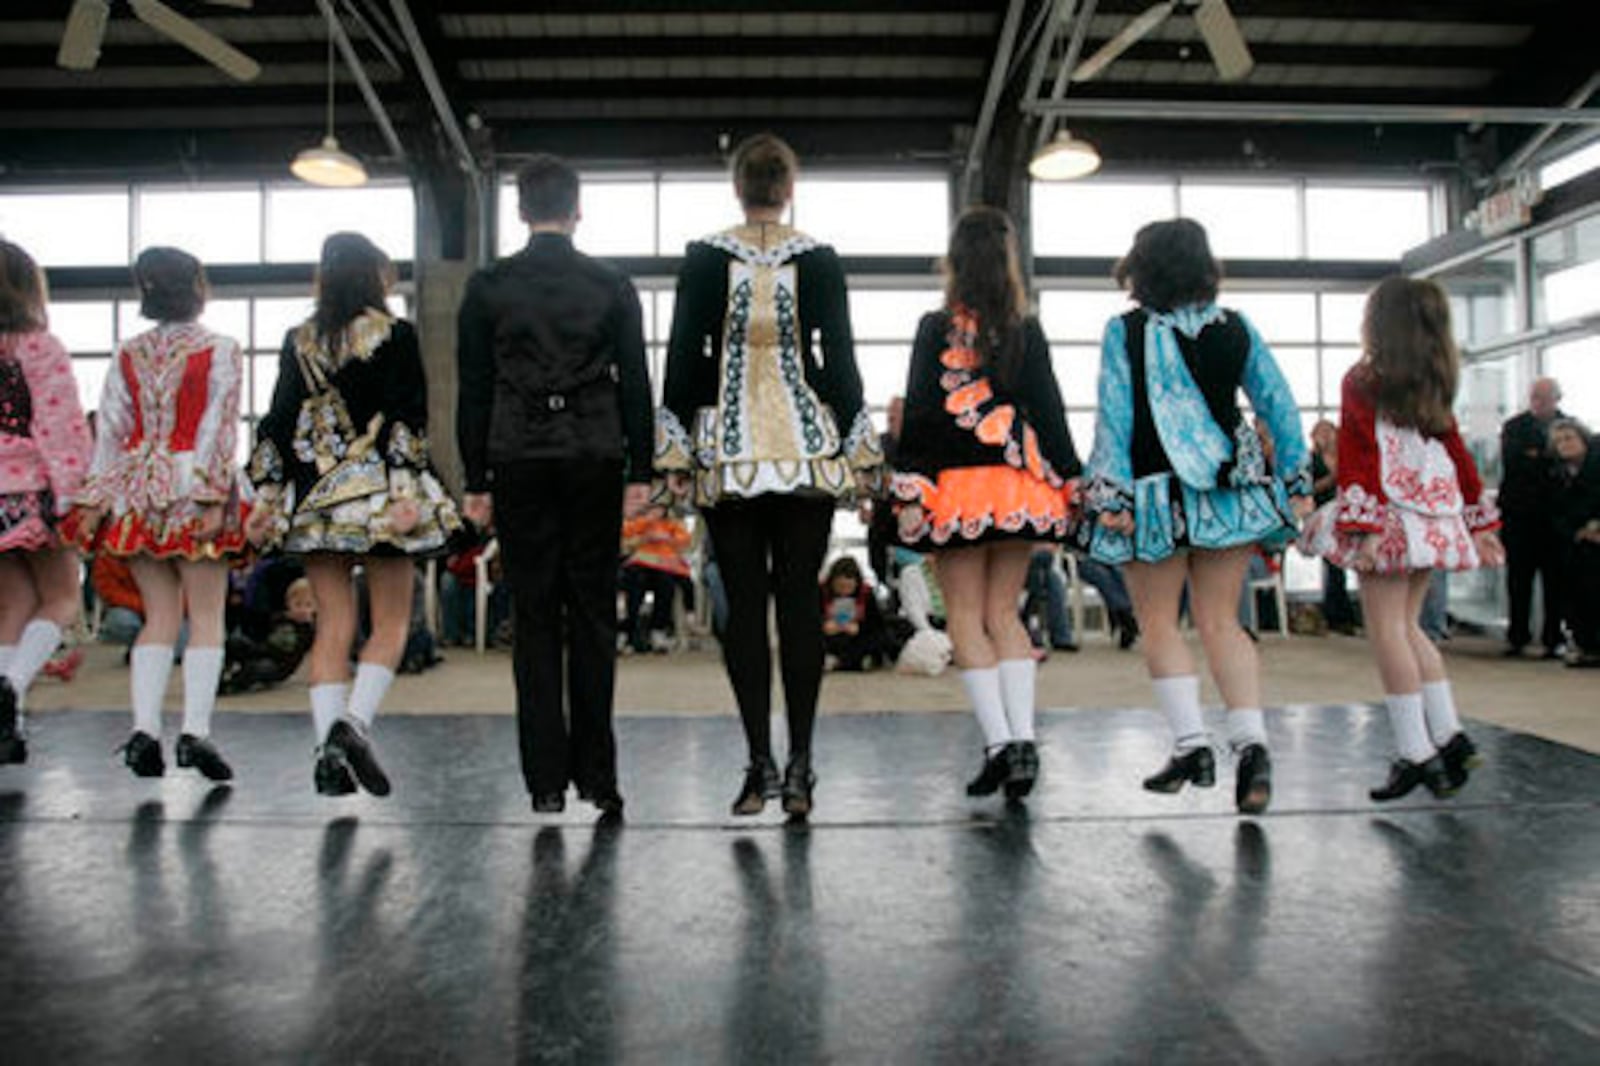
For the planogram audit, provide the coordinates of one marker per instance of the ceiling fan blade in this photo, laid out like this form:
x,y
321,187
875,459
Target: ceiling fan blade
x,y
1228,50
86,28
197,39
1131,35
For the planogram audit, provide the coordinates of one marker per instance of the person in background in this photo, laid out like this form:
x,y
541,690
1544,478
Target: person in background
x,y
878,512
1337,609
1107,580
1532,547
270,649
987,471
853,631
555,430
1180,490
458,588
1044,608
1577,524
1410,503
763,424
343,477
44,455
1435,615
164,495
653,544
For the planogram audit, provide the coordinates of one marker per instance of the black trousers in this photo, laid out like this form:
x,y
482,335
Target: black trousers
x,y
637,581
1533,548
1337,609
560,528
772,547
1583,602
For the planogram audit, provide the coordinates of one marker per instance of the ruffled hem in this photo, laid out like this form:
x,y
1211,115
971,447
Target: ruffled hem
x,y
969,505
30,536
1171,516
362,526
27,521
164,536
1407,541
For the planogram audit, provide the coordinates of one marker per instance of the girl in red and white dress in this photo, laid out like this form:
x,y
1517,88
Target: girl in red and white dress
x,y
163,493
1410,502
44,453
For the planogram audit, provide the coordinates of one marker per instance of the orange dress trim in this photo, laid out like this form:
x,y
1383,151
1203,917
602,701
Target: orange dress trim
x,y
976,503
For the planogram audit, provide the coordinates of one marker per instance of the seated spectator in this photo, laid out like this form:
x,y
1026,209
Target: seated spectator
x,y
458,597
124,610
654,564
271,639
1044,608
1577,525
853,631
1113,590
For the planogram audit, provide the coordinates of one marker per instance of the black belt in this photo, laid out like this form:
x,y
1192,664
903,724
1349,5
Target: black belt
x,y
553,400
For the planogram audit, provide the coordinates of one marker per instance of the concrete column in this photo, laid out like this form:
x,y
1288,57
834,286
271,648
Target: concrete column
x,y
440,284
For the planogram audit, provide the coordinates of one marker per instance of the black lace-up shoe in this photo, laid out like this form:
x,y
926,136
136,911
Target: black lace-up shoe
x,y
202,755
142,755
1197,767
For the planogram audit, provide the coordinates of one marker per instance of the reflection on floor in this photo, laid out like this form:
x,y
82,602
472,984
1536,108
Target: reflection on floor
x,y
166,922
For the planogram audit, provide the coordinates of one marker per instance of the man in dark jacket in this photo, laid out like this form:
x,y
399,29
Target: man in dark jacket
x,y
554,420
1524,500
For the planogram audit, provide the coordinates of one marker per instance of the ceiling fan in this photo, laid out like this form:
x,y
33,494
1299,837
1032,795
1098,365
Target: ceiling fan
x,y
86,30
1217,26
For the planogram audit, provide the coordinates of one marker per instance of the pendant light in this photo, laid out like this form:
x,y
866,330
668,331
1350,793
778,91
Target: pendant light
x,y
327,164
1064,158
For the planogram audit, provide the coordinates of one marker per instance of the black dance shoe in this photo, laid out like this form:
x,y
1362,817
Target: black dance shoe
x,y
13,748
1197,767
606,799
761,783
1252,789
550,802
798,784
331,775
349,740
201,754
1405,775
1460,754
142,755
997,768
1024,769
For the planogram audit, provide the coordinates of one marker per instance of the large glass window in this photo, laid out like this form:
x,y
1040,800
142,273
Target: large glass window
x,y
1576,365
84,327
1277,316
1259,220
1483,297
299,219
1096,218
1570,166
691,209
217,225
1365,222
618,218
1566,264
70,228
875,216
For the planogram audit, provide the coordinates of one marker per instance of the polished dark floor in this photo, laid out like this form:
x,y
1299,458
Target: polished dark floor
x,y
166,922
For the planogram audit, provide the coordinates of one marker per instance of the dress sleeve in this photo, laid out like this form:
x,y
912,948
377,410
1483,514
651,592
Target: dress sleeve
x,y
59,429
690,381
475,379
1110,471
840,381
1269,394
403,438
268,469
923,403
1042,393
638,423
1480,514
1361,496
216,438
113,425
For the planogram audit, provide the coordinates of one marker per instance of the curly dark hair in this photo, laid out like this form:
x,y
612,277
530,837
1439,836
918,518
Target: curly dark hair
x,y
1170,265
844,566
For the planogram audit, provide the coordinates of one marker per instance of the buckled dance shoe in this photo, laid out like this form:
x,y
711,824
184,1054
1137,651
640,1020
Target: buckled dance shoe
x,y
997,768
1252,789
331,775
142,755
1460,755
1024,769
200,754
761,783
798,784
1405,776
348,739
1196,767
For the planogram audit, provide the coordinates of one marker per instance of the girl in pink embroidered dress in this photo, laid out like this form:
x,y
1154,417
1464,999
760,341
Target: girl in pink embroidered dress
x,y
44,452
1410,502
163,493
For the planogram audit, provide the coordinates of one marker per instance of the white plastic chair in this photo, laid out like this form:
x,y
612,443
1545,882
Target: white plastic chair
x,y
1082,596
482,587
1274,583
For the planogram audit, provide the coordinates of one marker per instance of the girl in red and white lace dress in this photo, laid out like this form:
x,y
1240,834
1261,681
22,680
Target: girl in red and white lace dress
x,y
163,493
44,453
1410,502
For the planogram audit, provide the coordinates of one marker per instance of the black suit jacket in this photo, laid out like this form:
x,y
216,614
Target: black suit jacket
x,y
552,360
1525,479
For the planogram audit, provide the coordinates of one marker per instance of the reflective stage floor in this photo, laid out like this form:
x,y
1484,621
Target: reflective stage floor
x,y
167,922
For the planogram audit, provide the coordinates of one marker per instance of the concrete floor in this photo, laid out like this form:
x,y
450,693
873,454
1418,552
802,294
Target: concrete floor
x,y
1541,698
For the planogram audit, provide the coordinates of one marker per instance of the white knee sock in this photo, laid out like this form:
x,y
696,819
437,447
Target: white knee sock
x,y
38,642
327,707
372,682
1179,697
1439,706
1410,728
983,689
150,666
202,668
1246,726
1017,685
6,652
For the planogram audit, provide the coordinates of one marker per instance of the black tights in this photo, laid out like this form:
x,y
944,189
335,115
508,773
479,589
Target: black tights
x,y
772,547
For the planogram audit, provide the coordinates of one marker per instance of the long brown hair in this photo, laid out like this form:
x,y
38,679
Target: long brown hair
x,y
983,273
1411,352
764,168
352,277
22,291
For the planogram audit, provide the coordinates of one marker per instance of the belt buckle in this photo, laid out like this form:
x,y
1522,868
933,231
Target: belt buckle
x,y
556,402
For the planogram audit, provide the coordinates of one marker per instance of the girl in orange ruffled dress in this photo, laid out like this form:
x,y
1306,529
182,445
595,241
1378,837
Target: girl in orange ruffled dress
x,y
984,470
163,493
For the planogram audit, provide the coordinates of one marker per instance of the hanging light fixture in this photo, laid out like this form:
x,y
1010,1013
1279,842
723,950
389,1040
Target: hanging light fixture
x,y
1065,157
327,164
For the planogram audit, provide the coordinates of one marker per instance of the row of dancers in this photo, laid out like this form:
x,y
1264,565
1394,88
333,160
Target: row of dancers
x,y
763,428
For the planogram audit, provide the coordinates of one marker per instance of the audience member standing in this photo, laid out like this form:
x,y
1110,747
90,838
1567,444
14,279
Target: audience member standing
x,y
1532,548
763,417
44,455
163,492
555,430
1576,514
343,476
